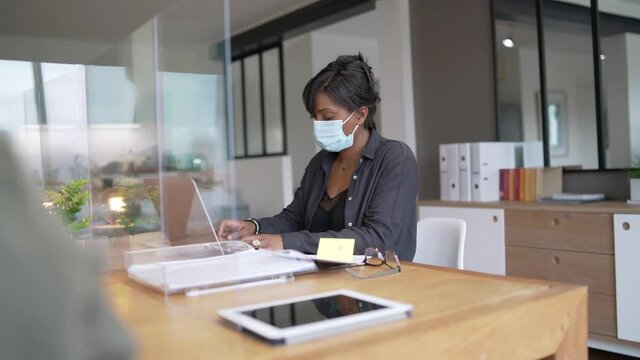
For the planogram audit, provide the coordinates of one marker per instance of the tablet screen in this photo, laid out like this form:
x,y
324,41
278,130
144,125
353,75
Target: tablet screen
x,y
311,311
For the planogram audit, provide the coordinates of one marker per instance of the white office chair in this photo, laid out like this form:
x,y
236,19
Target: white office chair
x,y
440,242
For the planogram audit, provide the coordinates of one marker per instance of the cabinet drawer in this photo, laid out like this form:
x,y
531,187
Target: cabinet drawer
x,y
602,314
585,232
594,270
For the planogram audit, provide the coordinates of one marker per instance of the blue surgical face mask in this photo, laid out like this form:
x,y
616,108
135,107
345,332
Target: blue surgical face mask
x,y
329,134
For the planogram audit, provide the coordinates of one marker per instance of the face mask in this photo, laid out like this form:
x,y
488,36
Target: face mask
x,y
329,134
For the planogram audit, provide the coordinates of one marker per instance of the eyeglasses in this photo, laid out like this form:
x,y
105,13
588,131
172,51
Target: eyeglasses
x,y
373,257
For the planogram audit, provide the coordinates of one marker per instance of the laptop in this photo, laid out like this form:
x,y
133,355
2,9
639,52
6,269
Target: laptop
x,y
185,216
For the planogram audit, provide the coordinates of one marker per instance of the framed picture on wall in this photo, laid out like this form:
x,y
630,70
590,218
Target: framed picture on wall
x,y
557,120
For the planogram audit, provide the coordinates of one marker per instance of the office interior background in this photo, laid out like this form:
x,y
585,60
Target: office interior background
x,y
117,93
114,93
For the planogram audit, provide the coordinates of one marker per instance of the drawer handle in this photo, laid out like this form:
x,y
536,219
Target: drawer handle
x,y
555,222
495,219
626,226
555,260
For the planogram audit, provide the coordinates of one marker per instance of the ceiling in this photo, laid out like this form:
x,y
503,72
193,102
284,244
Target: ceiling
x,y
110,21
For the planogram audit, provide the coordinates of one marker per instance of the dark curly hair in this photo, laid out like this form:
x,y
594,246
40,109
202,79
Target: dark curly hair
x,y
349,82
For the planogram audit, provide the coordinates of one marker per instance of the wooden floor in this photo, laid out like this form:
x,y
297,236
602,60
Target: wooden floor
x,y
603,355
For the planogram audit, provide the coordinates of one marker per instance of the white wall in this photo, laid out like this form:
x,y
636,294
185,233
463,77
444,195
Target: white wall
x,y
326,47
298,70
397,113
264,184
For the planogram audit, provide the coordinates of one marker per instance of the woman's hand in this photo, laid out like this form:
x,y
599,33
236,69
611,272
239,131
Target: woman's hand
x,y
231,229
265,241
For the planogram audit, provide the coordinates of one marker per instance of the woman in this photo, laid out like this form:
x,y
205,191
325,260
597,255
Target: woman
x,y
360,185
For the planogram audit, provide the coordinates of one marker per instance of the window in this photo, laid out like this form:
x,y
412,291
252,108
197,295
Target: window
x,y
258,104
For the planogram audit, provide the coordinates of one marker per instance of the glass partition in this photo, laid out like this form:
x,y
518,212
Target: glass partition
x,y
130,144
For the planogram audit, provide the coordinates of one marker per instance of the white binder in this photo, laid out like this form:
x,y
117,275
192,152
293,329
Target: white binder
x,y
444,186
453,173
464,177
486,161
444,179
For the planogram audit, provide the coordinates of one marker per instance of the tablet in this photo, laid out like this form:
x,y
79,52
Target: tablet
x,y
309,317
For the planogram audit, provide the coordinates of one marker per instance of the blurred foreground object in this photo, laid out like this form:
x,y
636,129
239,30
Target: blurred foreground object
x,y
51,304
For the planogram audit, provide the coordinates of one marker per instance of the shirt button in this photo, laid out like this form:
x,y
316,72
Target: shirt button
x,y
350,198
350,223
355,177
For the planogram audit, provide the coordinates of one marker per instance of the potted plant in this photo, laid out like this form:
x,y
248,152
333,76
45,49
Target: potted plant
x,y
634,182
67,202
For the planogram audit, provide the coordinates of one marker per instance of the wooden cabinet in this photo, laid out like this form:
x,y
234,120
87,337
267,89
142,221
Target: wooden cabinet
x,y
575,248
484,244
589,233
627,247
593,270
597,245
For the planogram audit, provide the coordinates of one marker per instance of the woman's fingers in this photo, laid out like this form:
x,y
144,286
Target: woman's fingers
x,y
231,229
229,226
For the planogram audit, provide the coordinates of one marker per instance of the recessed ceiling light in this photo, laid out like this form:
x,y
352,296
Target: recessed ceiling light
x,y
508,43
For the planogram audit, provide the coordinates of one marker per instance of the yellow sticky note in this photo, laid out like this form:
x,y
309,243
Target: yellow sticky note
x,y
336,249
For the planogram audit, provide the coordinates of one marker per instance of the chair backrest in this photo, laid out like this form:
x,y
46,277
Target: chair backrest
x,y
440,242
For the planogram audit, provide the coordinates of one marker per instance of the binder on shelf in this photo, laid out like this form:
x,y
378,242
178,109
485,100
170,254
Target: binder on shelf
x,y
453,174
464,177
487,159
444,180
444,188
475,187
443,157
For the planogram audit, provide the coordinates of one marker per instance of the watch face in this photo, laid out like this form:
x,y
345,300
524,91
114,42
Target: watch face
x,y
311,311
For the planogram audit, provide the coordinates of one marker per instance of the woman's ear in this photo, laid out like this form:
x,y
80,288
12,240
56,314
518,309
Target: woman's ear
x,y
361,114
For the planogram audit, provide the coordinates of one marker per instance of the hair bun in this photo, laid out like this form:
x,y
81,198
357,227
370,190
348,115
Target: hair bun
x,y
349,82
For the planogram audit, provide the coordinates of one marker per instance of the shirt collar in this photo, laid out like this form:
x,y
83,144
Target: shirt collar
x,y
369,151
372,145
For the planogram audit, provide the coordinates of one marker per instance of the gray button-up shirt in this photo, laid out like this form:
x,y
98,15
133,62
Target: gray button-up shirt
x,y
380,210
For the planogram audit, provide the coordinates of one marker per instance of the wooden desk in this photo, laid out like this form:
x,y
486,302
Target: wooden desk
x,y
456,315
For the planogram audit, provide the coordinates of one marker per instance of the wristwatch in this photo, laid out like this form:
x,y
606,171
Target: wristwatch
x,y
256,223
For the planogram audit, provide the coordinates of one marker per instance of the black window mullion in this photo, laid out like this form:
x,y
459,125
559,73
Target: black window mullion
x,y
597,67
544,112
262,111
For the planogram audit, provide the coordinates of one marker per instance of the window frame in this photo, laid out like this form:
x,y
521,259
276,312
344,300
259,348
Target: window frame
x,y
240,57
